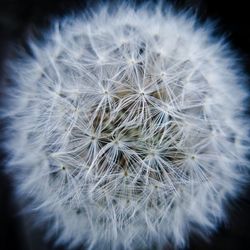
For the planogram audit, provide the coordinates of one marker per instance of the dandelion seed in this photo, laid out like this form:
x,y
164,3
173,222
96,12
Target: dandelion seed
x,y
127,128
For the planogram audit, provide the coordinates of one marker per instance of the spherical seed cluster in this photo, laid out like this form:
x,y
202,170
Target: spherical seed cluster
x,y
127,129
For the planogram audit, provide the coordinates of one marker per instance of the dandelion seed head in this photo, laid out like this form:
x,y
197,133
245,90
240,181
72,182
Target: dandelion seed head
x,y
127,128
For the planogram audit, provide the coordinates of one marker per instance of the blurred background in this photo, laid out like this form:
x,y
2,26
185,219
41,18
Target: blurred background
x,y
20,17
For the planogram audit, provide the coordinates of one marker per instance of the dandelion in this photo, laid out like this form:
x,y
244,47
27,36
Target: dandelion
x,y
127,128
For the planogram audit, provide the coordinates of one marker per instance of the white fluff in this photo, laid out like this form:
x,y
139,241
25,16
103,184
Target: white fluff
x,y
127,128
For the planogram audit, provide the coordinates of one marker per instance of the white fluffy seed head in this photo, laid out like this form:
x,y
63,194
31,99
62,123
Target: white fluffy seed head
x,y
127,128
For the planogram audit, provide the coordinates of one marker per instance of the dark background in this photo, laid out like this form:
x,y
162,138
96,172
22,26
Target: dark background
x,y
19,17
